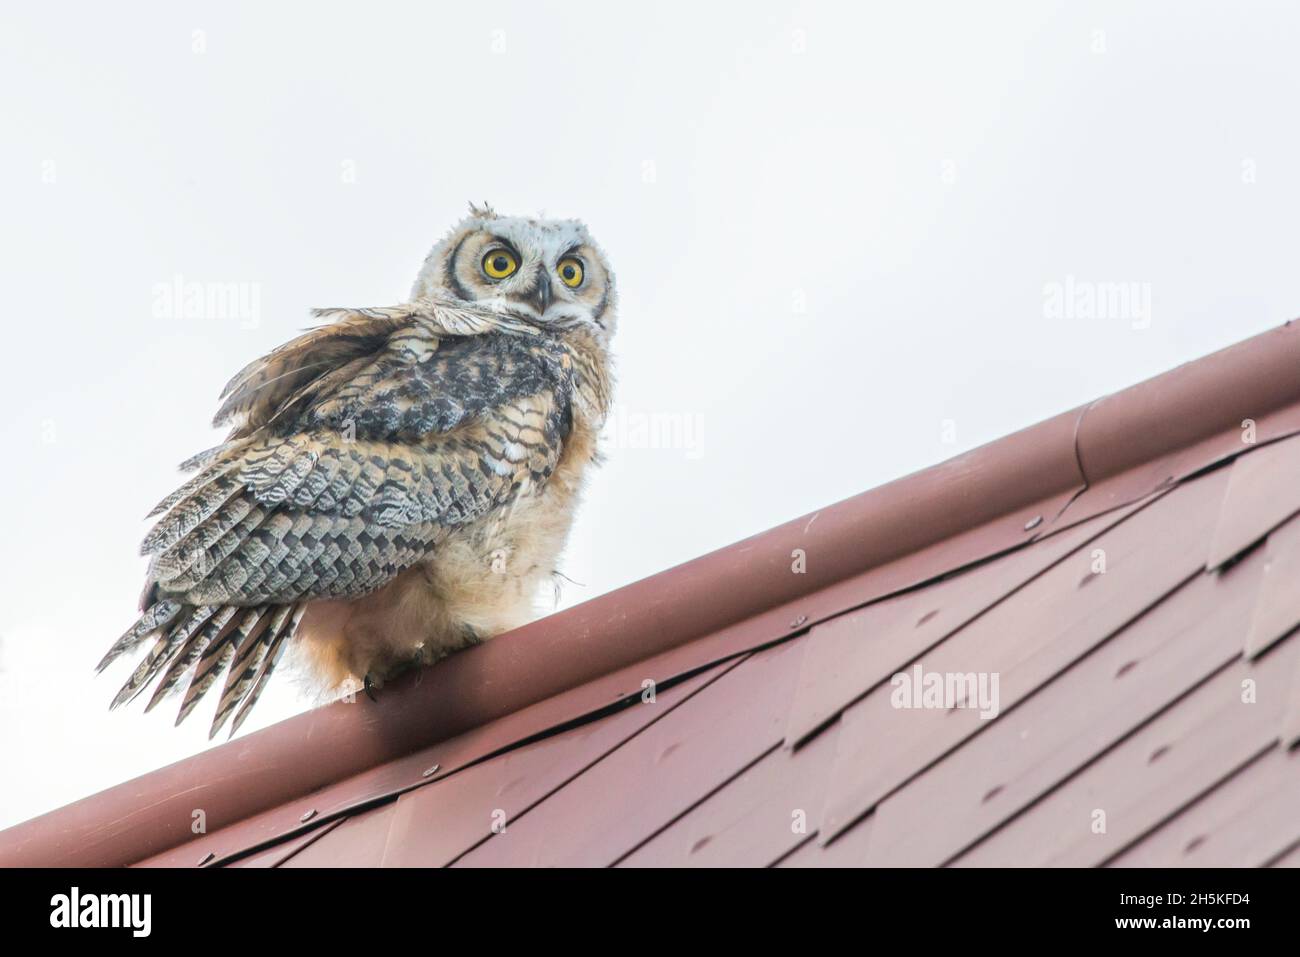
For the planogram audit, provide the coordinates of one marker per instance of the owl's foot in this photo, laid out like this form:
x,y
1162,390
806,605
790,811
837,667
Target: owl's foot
x,y
383,671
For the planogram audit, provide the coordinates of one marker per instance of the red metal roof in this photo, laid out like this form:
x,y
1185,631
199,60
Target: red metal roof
x,y
1125,571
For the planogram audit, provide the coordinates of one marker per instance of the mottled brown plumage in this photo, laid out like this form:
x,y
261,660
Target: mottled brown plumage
x,y
397,484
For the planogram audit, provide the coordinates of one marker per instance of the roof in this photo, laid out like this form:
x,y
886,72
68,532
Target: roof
x,y
1123,571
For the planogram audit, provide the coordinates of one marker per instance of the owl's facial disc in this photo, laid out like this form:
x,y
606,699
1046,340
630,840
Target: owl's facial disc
x,y
547,271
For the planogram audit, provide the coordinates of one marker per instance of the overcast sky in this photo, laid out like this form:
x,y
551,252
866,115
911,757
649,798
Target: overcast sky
x,y
851,239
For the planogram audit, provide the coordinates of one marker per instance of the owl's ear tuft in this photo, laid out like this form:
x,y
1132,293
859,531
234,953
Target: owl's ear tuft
x,y
482,212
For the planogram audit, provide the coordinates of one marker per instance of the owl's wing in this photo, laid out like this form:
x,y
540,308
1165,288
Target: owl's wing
x,y
356,447
324,356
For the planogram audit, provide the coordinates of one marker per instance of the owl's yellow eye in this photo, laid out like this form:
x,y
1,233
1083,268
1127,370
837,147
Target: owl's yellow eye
x,y
570,271
500,263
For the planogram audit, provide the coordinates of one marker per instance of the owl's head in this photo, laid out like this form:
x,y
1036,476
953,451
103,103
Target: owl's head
x,y
549,270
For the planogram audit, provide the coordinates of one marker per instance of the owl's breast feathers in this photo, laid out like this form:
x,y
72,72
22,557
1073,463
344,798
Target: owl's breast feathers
x,y
356,447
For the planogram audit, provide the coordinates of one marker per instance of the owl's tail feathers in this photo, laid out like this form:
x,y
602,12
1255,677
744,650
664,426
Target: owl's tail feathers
x,y
155,617
203,641
253,661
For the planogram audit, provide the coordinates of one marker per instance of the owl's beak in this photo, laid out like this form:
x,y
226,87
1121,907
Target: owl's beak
x,y
539,296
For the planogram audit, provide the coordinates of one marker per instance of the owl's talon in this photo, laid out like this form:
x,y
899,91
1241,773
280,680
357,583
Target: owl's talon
x,y
369,685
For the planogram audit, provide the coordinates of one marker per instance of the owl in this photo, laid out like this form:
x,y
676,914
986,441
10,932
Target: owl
x,y
398,483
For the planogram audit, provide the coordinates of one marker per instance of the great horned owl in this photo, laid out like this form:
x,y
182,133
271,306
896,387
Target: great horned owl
x,y
398,482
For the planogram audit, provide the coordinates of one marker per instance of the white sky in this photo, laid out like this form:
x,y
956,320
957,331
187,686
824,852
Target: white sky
x,y
835,228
